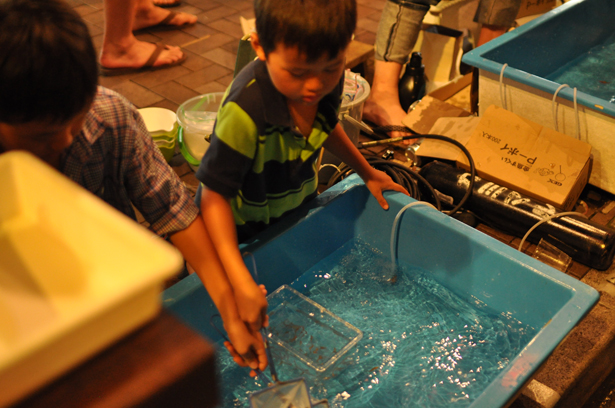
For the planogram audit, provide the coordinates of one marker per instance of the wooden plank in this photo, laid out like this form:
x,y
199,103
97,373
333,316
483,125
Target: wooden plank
x,y
358,53
162,364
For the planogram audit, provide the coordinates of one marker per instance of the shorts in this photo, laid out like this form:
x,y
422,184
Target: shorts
x,y
501,13
399,27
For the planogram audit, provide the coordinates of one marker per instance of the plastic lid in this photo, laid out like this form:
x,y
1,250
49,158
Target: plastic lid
x,y
199,113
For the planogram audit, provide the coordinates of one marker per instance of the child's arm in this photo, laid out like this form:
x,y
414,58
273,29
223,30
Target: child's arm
x,y
197,248
218,216
376,181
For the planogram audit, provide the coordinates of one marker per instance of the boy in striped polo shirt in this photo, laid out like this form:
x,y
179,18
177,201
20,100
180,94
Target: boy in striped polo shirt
x,y
276,116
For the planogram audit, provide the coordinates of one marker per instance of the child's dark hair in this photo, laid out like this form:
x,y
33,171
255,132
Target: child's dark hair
x,y
316,27
48,68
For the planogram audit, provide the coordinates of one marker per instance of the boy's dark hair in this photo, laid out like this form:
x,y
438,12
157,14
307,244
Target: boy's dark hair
x,y
48,66
316,27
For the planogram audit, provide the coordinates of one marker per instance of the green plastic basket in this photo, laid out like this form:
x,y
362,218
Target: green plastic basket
x,y
194,163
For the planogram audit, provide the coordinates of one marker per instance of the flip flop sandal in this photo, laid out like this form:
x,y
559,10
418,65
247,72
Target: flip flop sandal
x,y
165,24
148,66
168,5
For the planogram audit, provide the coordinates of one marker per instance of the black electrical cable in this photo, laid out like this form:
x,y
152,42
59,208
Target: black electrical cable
x,y
404,176
383,130
465,151
400,174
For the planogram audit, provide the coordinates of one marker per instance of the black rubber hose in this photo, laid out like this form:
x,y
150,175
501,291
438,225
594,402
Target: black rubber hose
x,y
472,169
404,176
400,174
382,131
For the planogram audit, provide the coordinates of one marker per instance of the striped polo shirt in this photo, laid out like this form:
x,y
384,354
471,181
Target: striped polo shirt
x,y
257,157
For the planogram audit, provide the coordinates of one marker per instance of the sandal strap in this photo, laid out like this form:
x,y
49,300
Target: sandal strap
x,y
168,18
154,56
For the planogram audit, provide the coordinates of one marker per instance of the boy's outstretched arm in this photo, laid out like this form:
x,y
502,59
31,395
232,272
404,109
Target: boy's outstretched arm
x,y
218,217
376,181
197,248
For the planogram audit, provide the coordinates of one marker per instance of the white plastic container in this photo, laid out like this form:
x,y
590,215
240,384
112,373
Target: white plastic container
x,y
162,125
354,110
75,274
160,122
196,117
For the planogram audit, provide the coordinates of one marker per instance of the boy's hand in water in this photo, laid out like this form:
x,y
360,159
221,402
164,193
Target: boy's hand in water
x,y
252,305
246,347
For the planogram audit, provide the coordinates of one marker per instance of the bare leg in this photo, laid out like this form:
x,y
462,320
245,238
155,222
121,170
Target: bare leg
x,y
489,32
166,3
496,17
398,30
120,48
147,15
383,106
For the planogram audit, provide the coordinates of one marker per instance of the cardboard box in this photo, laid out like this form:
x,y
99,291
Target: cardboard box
x,y
531,7
427,111
520,154
451,88
458,128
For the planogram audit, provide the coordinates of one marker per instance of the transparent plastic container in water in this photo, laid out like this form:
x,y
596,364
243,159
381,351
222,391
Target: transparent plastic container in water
x,y
282,395
307,330
196,117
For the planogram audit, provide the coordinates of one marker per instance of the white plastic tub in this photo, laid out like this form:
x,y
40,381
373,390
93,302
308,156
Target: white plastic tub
x,y
196,117
75,274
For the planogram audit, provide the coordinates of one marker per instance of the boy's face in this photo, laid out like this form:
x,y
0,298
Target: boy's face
x,y
46,140
301,81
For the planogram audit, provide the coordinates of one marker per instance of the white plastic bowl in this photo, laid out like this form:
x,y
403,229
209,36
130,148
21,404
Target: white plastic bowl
x,y
159,121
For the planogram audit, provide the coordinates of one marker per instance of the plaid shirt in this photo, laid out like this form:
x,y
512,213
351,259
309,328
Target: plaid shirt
x,y
115,158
